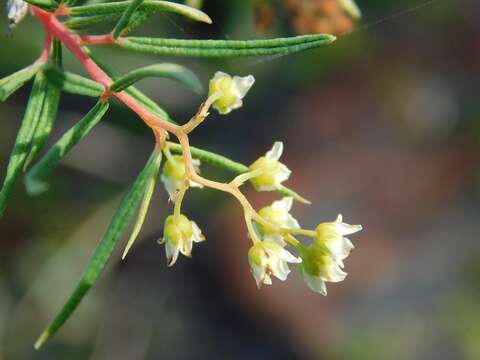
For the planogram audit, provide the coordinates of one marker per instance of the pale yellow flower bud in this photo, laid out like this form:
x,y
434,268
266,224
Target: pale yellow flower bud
x,y
230,91
173,174
331,235
277,216
267,258
271,171
179,234
318,266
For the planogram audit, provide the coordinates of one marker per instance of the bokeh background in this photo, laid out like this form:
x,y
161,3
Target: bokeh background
x,y
382,126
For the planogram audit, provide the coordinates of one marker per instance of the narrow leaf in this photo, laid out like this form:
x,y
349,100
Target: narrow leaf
x,y
225,48
36,180
223,162
212,159
11,83
102,252
49,111
80,23
45,123
148,5
122,23
73,83
23,142
147,197
166,70
48,5
134,92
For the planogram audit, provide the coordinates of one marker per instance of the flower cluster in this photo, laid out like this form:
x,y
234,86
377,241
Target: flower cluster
x,y
272,229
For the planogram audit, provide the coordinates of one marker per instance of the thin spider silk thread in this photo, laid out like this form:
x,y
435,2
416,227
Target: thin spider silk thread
x,y
364,27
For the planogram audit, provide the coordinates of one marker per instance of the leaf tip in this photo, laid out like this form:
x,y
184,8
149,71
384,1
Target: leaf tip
x,y
41,340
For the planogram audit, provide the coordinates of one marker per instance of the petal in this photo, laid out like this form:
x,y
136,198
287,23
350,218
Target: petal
x,y
259,274
275,238
333,273
291,222
314,283
275,152
288,257
172,253
285,204
170,185
243,84
279,269
197,233
340,247
282,174
267,280
220,75
346,229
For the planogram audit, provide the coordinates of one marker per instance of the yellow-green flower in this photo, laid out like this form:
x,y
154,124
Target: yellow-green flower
x,y
331,235
319,266
179,234
271,171
230,91
173,174
267,258
278,215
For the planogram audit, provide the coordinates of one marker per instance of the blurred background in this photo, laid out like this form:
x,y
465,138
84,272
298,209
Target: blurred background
x,y
382,126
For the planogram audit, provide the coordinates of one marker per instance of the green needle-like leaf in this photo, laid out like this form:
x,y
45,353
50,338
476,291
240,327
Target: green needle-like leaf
x,y
25,135
80,23
166,70
103,251
123,22
149,6
223,162
72,83
147,197
49,111
36,180
11,83
134,92
48,5
225,48
45,123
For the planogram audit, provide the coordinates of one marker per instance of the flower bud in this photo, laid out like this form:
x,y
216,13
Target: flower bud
x,y
271,172
318,266
331,235
179,234
173,174
230,91
278,215
267,258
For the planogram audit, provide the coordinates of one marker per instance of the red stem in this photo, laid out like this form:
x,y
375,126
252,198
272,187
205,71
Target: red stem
x,y
98,39
47,45
73,42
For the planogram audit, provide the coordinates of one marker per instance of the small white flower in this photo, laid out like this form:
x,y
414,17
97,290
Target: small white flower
x,y
318,266
277,214
16,11
267,258
179,234
272,171
173,174
230,91
331,235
